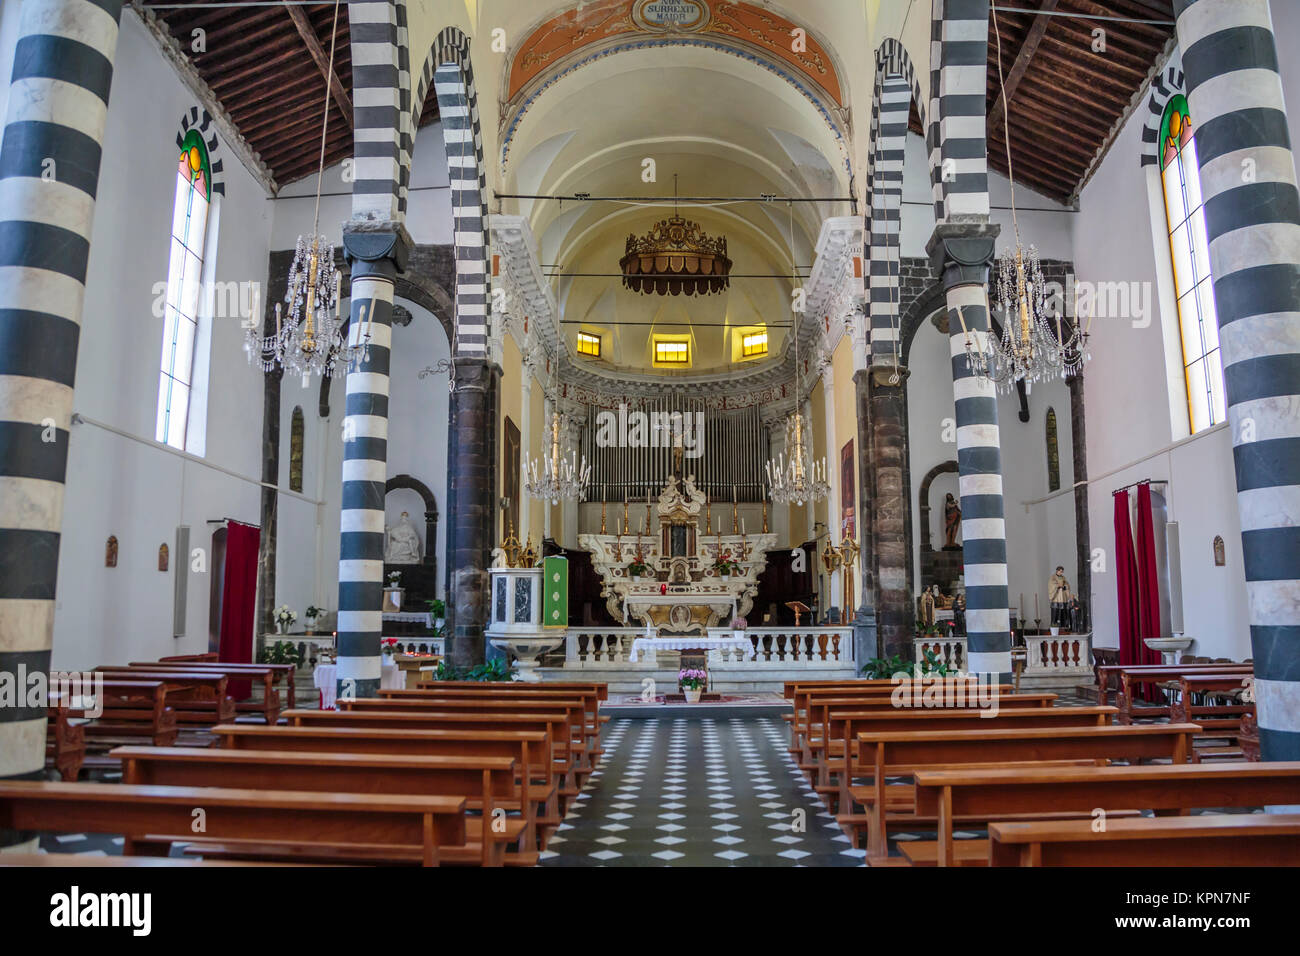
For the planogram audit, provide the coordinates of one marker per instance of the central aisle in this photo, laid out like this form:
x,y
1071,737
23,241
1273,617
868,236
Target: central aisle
x,y
678,791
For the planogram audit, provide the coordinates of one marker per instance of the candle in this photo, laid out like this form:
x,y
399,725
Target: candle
x,y
1036,614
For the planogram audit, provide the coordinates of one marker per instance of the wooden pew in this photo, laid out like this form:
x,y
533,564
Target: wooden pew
x,y
590,694
818,709
197,696
847,727
269,675
1239,839
840,743
1218,719
1131,676
131,711
486,783
81,860
152,818
539,786
897,754
586,733
65,742
1172,789
207,656
558,723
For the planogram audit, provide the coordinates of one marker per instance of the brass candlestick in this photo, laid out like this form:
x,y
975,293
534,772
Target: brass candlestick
x,y
602,509
764,516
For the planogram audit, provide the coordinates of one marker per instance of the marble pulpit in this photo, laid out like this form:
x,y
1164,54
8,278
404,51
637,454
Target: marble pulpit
x,y
681,589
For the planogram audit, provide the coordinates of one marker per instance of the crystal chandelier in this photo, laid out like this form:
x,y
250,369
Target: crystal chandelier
x,y
309,337
1035,345
799,479
558,478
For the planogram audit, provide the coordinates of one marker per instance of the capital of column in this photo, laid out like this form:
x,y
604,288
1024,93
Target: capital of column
x,y
962,251
474,374
888,375
376,246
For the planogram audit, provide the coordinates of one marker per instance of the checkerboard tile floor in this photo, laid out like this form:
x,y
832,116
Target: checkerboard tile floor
x,y
679,791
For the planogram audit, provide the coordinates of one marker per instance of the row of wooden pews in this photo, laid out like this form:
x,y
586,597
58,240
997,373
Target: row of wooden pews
x,y
157,703
1040,777
451,774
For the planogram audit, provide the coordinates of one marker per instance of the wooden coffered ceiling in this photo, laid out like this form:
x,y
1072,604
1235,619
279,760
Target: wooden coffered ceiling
x,y
267,67
1064,96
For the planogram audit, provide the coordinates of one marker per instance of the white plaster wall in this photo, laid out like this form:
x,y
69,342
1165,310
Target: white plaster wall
x,y
428,212
126,484
1040,535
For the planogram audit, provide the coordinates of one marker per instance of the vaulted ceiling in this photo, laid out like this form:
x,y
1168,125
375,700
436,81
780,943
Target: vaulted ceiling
x,y
1066,86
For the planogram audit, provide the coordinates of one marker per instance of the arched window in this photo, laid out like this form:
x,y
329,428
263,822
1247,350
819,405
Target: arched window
x,y
184,275
1190,250
295,449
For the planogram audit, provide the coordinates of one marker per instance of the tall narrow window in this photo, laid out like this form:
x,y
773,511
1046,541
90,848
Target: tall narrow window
x,y
1053,453
295,449
184,274
1188,246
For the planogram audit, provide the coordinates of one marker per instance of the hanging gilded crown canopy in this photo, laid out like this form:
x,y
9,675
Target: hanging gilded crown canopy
x,y
675,257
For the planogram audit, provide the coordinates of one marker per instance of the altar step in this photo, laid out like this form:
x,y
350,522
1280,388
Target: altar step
x,y
725,679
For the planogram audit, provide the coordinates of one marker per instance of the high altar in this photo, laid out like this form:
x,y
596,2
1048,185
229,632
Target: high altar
x,y
681,589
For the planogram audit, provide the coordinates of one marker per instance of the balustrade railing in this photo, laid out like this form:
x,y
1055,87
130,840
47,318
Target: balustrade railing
x,y
1065,655
949,651
771,647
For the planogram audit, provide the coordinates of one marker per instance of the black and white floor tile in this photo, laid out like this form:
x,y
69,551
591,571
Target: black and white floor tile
x,y
677,791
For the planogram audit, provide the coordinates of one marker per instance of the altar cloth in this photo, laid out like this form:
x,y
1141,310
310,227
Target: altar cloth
x,y
689,643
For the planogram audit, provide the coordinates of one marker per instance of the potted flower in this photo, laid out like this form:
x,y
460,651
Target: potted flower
x,y
284,618
437,613
724,565
738,625
388,647
692,681
312,613
637,568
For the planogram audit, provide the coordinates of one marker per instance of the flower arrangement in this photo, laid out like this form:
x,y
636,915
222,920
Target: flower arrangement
x,y
394,578
284,617
388,646
738,623
637,568
692,678
725,564
312,614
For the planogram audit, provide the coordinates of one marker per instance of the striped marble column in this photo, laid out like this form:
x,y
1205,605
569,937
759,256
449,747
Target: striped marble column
x,y
375,258
49,172
964,253
1252,217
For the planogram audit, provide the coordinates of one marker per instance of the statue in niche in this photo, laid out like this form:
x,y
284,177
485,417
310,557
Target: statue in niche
x,y
110,552
401,542
1059,597
951,521
162,556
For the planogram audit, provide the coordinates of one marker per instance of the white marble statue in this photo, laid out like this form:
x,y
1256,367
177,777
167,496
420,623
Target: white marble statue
x,y
402,542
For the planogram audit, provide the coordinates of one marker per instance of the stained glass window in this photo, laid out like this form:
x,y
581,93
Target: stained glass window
x,y
672,352
184,280
589,344
752,344
1190,251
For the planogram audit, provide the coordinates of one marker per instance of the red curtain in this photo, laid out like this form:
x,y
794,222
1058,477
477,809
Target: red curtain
x,y
1148,580
238,601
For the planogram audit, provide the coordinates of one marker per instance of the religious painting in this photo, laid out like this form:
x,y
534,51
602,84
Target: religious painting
x,y
848,493
510,477
162,557
110,552
1053,453
1220,556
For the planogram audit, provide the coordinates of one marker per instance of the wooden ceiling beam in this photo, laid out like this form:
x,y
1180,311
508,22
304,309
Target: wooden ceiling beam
x,y
308,34
1027,50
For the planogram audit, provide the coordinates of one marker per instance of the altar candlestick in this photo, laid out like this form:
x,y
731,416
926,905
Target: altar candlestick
x,y
735,513
602,509
764,516
1036,615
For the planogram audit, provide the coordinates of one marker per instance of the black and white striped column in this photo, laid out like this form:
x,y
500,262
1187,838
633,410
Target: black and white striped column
x,y
375,258
49,172
964,253
1252,217
958,108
